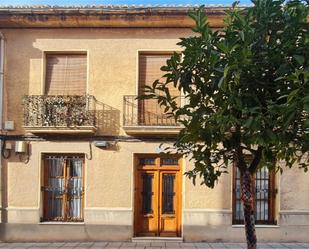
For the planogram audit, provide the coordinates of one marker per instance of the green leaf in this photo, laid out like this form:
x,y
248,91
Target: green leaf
x,y
299,58
242,35
221,82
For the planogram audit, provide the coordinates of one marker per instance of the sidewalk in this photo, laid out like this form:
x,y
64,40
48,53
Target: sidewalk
x,y
148,245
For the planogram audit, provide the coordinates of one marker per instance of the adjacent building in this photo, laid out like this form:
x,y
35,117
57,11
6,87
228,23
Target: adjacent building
x,y
81,155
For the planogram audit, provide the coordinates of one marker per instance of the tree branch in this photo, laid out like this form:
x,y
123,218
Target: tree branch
x,y
256,160
248,149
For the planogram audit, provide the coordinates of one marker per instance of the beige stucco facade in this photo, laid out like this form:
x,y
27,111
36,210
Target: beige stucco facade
x,y
112,72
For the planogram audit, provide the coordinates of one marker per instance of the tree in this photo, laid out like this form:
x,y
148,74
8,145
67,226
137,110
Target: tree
x,y
246,93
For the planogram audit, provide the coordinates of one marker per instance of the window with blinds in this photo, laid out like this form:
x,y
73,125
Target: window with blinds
x,y
66,74
264,197
150,113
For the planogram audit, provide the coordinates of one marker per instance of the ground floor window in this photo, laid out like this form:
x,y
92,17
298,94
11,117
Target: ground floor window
x,y
63,187
264,194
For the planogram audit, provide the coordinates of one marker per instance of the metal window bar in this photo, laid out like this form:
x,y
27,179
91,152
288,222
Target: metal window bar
x,y
63,188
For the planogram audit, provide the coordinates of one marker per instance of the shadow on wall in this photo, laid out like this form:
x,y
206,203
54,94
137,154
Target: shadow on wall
x,y
108,119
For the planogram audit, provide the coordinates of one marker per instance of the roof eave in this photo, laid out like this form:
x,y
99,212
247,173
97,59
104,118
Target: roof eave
x,y
100,17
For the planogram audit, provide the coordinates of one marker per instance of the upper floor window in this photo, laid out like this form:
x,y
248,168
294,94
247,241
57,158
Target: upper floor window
x,y
66,74
150,113
264,193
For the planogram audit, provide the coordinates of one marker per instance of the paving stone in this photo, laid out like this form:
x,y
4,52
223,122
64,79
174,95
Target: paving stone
x,y
187,245
17,244
42,244
217,245
57,244
172,244
114,244
234,246
143,244
305,245
157,244
264,245
201,244
86,244
128,244
302,245
293,245
70,244
100,244
3,244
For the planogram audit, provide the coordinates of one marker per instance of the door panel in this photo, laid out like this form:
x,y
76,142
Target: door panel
x,y
146,211
168,219
157,198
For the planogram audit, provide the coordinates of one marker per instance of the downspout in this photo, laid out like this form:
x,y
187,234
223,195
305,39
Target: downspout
x,y
1,115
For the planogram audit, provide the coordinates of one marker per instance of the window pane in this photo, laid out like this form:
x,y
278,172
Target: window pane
x,y
147,161
168,193
169,161
147,193
54,187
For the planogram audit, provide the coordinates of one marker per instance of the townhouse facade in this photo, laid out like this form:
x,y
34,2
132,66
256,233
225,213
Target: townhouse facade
x,y
81,156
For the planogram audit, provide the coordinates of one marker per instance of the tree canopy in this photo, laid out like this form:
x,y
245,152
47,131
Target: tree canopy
x,y
246,89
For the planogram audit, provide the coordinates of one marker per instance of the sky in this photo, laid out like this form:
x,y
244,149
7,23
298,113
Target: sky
x,y
116,2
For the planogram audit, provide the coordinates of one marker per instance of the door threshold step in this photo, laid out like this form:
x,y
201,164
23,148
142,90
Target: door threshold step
x,y
157,239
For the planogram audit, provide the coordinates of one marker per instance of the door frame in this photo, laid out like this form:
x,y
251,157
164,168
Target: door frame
x,y
136,157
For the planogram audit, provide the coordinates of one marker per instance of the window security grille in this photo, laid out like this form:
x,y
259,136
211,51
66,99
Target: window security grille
x,y
63,188
264,193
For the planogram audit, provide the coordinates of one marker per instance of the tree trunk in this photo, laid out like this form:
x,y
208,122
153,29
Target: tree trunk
x,y
248,204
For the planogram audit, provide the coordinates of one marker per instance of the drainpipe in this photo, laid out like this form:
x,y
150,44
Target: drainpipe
x,y
1,114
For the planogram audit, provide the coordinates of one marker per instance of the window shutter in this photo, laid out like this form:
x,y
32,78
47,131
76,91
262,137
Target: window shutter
x,y
149,70
66,74
150,113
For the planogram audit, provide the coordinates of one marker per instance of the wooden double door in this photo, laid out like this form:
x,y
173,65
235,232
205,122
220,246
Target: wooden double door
x,y
157,196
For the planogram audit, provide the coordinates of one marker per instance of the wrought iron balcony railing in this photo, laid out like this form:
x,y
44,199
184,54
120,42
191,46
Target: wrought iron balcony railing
x,y
70,111
146,112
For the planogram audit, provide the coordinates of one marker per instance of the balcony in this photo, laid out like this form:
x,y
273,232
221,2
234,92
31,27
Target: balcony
x,y
146,117
59,114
